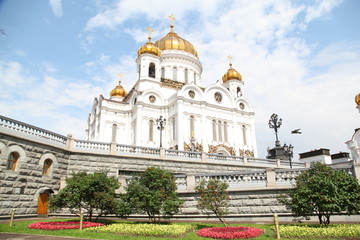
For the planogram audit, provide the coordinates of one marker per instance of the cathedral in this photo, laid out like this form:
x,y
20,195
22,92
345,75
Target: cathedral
x,y
168,96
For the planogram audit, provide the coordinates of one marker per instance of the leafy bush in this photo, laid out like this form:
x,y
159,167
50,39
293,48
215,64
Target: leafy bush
x,y
144,229
62,225
229,232
318,231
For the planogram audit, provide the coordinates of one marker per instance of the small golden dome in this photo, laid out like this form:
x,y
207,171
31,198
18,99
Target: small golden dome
x,y
150,48
231,74
357,99
118,91
172,41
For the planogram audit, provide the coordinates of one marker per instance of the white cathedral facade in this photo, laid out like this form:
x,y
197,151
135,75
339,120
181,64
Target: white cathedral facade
x,y
213,119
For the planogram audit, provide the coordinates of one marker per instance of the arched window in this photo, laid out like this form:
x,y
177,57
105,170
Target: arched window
x,y
47,167
151,130
220,131
12,161
238,92
192,126
113,133
163,72
214,129
186,76
174,73
244,134
174,128
225,132
152,70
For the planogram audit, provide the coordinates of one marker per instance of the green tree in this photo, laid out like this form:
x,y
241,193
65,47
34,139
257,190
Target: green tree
x,y
154,193
94,193
323,191
213,197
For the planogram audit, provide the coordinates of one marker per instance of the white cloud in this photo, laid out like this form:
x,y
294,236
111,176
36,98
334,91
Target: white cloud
x,y
56,7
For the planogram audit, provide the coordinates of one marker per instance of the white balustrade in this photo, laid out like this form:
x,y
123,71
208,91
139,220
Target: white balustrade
x,y
137,150
30,130
219,157
182,154
92,146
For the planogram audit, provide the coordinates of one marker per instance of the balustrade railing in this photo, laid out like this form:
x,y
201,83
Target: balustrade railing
x,y
219,157
237,180
182,154
30,130
89,145
137,150
287,176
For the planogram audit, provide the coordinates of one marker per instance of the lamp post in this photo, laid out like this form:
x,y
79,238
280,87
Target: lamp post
x,y
161,125
275,123
288,151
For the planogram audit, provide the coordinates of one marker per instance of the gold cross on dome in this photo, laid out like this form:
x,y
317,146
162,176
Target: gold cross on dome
x,y
230,59
150,31
172,19
120,75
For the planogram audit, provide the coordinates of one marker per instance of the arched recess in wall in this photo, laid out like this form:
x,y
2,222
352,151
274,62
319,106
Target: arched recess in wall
x,y
6,151
152,70
42,197
223,151
44,163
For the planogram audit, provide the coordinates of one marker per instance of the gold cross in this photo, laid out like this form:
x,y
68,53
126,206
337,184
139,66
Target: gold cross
x,y
120,75
172,19
150,31
230,58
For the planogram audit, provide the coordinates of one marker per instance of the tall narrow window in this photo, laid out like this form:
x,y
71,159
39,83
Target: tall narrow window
x,y
163,72
174,73
214,129
244,134
12,161
225,132
151,130
47,167
186,76
152,70
192,126
139,70
174,128
220,131
195,77
113,133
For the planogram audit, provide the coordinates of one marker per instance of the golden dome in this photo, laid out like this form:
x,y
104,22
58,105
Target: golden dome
x,y
173,41
118,91
357,99
231,74
150,48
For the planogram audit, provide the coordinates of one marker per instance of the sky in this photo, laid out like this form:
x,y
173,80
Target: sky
x,y
298,59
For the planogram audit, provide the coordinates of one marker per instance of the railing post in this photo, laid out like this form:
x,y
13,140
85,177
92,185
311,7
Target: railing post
x,y
162,152
190,182
278,163
70,142
307,164
113,148
203,156
270,177
245,160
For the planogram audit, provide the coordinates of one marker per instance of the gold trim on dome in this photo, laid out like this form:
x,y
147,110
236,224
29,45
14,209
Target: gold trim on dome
x,y
357,99
231,74
172,41
149,47
118,91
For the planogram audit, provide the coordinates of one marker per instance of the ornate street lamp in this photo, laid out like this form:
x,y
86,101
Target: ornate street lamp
x,y
161,125
275,123
289,151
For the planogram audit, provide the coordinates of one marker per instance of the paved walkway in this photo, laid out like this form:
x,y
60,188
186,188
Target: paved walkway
x,y
21,236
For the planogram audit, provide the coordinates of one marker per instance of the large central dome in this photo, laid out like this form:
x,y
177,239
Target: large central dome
x,y
172,41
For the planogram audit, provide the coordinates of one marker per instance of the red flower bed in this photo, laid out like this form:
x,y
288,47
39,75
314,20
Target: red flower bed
x,y
229,232
62,225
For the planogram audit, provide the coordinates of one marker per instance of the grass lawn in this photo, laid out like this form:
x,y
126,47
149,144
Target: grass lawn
x,y
21,227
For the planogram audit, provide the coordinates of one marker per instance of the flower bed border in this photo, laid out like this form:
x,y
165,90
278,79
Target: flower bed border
x,y
229,232
62,225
